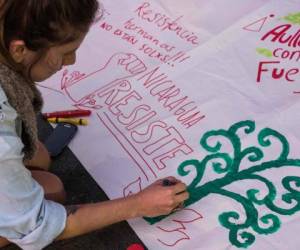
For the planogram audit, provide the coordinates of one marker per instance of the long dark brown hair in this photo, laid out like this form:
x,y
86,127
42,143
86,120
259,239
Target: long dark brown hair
x,y
42,23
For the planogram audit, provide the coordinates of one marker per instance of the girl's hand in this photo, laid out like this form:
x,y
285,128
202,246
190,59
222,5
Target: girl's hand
x,y
157,199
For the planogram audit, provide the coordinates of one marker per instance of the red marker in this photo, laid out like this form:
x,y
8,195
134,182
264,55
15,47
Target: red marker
x,y
67,113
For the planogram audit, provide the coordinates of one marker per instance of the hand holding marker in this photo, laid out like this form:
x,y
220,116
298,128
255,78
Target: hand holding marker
x,y
166,183
67,116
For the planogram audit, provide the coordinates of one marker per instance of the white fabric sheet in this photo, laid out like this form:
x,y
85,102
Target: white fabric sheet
x,y
160,77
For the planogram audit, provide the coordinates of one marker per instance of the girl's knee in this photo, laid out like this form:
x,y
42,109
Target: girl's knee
x,y
52,185
3,242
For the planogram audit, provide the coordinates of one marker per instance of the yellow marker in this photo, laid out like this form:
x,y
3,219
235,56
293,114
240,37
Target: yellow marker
x,y
76,121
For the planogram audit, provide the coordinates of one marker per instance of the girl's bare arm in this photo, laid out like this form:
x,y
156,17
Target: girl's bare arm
x,y
153,201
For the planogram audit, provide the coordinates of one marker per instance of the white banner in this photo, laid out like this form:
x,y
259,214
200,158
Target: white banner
x,y
206,91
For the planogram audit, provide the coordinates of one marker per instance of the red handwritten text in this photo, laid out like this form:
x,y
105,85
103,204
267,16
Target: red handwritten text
x,y
283,34
165,23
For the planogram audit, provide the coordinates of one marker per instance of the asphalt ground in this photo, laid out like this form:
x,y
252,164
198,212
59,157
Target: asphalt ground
x,y
81,188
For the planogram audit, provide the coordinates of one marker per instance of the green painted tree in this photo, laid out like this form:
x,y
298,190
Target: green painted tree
x,y
228,166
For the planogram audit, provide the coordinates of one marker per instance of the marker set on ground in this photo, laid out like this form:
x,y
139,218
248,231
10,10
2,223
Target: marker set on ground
x,y
68,116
